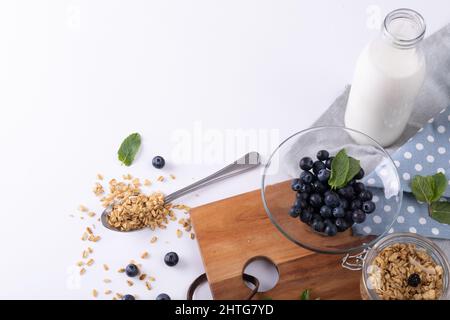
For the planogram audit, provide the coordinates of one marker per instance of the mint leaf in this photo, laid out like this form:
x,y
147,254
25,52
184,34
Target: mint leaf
x,y
305,294
423,188
440,211
353,169
339,170
129,148
440,184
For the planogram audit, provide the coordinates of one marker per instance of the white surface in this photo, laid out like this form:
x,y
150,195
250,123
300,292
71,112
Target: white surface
x,y
76,77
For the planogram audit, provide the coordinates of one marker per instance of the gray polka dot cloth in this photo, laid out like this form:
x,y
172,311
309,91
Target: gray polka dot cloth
x,y
427,153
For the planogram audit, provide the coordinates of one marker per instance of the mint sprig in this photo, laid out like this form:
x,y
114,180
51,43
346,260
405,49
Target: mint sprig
x,y
430,189
129,148
343,170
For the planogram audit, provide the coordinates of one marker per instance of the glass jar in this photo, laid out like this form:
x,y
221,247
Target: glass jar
x,y
388,76
421,243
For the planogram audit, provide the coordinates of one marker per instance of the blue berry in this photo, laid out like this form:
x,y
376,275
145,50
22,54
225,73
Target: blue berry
x,y
347,192
301,203
294,212
128,297
171,259
317,166
296,185
306,163
331,229
132,270
303,196
315,200
341,224
355,204
163,296
306,177
323,155
358,216
332,200
328,162
365,195
306,216
344,203
360,174
325,212
305,188
414,280
349,218
318,186
338,212
158,162
323,175
318,225
359,187
368,207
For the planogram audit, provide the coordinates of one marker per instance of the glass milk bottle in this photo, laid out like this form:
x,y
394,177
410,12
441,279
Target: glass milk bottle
x,y
389,74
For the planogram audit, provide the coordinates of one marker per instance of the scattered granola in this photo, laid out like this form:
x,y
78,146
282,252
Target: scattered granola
x,y
108,291
148,285
99,176
160,179
192,236
130,283
91,214
153,239
98,189
142,276
94,293
107,280
179,233
82,271
121,270
106,267
172,177
83,208
90,262
144,255
395,264
147,183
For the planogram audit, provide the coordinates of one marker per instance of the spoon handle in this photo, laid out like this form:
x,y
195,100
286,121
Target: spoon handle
x,y
247,162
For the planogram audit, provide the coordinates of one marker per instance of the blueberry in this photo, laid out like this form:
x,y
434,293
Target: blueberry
x,y
303,196
331,229
414,280
128,297
318,186
305,188
323,175
163,296
358,216
171,259
344,203
294,212
338,212
347,192
368,207
365,195
360,174
349,218
323,155
296,185
315,200
301,203
332,200
132,270
306,177
318,225
359,187
306,216
158,162
328,162
355,204
325,212
306,163
341,224
317,166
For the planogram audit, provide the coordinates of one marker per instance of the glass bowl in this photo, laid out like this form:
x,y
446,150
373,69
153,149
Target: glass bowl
x,y
381,178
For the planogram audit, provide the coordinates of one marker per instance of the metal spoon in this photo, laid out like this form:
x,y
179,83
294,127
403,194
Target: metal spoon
x,y
247,162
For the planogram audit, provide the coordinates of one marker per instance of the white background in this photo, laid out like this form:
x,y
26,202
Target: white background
x,y
76,77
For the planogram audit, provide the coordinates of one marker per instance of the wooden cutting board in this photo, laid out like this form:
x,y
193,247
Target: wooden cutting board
x,y
234,231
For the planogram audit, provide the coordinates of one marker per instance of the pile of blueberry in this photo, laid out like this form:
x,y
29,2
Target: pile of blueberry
x,y
328,211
